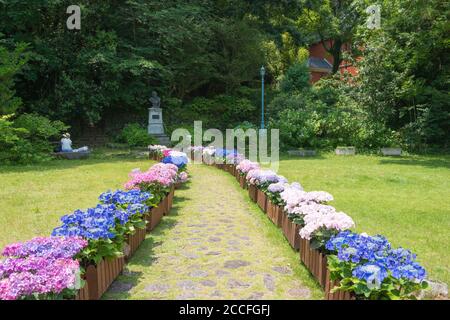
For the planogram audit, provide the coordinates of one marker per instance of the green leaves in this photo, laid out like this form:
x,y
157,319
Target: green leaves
x,y
11,62
390,289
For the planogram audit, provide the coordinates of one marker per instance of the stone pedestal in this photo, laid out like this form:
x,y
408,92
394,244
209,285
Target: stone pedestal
x,y
156,126
155,121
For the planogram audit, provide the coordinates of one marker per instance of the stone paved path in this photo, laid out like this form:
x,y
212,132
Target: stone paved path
x,y
216,244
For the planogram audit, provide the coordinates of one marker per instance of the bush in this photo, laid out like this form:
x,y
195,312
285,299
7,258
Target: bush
x,y
296,79
220,112
27,139
135,136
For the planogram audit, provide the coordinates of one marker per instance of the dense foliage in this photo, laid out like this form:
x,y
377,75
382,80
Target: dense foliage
x,y
203,57
135,135
28,138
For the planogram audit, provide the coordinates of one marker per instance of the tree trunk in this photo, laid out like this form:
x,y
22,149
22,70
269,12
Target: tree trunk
x,y
337,56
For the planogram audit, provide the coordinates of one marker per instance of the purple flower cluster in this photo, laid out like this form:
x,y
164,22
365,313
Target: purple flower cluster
x,y
234,158
46,247
264,177
276,187
41,266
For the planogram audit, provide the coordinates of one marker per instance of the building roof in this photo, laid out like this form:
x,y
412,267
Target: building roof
x,y
319,64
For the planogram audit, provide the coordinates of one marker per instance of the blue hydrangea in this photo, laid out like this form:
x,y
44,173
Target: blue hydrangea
x,y
179,161
412,271
355,247
120,197
375,257
94,223
373,274
223,153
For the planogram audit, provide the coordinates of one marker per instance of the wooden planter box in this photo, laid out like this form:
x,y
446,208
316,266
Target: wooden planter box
x,y
237,175
253,192
315,261
291,232
134,241
219,166
275,213
345,151
391,151
154,217
338,295
169,200
233,169
229,168
261,200
83,293
243,182
101,276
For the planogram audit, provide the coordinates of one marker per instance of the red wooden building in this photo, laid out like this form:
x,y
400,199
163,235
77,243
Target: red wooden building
x,y
321,62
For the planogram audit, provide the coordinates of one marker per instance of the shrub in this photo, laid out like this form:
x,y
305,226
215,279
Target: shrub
x,y
27,139
221,112
135,136
296,79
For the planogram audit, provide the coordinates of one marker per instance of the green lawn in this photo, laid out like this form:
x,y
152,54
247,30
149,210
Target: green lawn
x,y
33,198
406,199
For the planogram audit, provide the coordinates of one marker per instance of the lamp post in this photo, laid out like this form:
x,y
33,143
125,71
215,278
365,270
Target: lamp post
x,y
263,73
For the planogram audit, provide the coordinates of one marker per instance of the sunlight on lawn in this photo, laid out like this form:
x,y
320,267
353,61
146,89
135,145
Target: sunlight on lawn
x,y
405,199
33,198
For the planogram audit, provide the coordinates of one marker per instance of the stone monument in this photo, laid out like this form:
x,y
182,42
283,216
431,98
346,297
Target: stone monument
x,y
155,120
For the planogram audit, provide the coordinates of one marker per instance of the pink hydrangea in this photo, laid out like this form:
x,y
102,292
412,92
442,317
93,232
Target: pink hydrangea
x,y
23,277
161,173
157,148
183,177
311,208
246,166
294,196
338,221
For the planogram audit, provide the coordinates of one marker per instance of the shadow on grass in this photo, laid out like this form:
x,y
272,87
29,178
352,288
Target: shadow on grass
x,y
285,156
68,164
442,162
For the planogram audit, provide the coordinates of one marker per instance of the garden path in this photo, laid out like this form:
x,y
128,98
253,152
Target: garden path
x,y
215,244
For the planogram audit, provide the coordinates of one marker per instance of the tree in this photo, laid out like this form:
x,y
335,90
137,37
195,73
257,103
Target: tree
x,y
403,73
11,62
333,23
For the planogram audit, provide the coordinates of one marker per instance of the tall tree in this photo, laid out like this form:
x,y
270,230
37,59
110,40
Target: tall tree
x,y
11,61
333,22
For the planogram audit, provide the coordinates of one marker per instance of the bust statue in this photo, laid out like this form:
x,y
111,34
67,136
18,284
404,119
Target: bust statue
x,y
155,100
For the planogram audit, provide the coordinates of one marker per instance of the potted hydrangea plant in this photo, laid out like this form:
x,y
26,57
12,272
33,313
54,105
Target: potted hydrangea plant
x,y
243,168
367,267
137,204
275,205
158,180
43,269
104,227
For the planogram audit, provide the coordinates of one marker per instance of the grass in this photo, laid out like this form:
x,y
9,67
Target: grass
x,y
407,199
33,198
